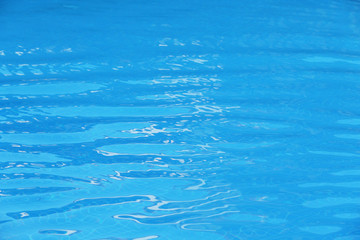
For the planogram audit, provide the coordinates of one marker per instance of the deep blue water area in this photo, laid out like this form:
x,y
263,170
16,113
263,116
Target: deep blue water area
x,y
177,120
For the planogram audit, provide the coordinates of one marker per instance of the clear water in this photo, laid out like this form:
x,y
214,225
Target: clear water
x,y
179,120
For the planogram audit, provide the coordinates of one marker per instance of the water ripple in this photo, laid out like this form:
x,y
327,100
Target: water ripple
x,y
135,120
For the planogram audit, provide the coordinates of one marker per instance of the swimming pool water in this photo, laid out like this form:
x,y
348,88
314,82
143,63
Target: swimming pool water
x,y
179,120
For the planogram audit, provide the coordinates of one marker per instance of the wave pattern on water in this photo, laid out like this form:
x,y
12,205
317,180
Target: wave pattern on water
x,y
189,120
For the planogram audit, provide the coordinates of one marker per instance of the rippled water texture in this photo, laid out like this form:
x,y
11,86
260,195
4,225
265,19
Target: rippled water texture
x,y
179,120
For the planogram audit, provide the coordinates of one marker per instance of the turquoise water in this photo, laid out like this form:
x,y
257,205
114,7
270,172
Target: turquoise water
x,y
179,120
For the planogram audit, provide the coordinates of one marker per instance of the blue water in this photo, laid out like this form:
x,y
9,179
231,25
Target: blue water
x,y
179,120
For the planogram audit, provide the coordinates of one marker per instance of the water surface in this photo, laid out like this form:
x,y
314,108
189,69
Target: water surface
x,y
179,120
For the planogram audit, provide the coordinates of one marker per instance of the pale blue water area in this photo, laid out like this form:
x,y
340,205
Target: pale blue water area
x,y
172,120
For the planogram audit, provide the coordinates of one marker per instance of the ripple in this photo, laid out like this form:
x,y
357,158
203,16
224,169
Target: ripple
x,y
337,184
29,157
98,111
30,191
81,203
321,230
173,218
330,60
145,120
148,149
60,232
330,202
100,131
48,88
9,176
340,154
